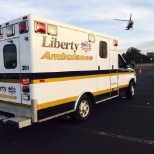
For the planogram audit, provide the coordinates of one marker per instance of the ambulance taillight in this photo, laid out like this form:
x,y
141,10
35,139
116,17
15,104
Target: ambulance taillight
x,y
25,89
25,96
25,81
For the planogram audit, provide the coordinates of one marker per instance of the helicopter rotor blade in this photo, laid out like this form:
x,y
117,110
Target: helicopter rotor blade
x,y
120,20
131,16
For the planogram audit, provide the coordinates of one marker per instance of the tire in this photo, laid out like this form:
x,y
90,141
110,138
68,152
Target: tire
x,y
83,109
130,92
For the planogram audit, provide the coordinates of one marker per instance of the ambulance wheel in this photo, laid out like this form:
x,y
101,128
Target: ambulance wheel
x,y
130,92
83,109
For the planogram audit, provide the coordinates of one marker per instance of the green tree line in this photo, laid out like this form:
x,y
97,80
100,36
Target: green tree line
x,y
136,55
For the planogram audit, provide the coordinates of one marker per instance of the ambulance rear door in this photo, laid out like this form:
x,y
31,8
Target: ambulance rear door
x,y
10,71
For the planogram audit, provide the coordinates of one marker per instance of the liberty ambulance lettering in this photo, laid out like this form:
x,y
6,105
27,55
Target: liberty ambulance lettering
x,y
3,89
54,43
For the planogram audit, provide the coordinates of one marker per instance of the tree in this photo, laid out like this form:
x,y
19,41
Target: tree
x,y
150,55
133,54
145,59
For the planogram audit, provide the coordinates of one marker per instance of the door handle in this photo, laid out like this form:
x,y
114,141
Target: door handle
x,y
11,41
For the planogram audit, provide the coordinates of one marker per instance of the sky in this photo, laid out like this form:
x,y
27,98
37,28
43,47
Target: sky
x,y
95,15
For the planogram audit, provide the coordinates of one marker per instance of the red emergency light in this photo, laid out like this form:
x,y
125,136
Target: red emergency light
x,y
115,43
1,31
23,27
40,27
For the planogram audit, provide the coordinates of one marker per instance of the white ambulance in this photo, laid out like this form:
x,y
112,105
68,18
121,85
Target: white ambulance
x,y
49,69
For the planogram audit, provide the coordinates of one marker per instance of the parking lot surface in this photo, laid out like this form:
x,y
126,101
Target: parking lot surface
x,y
118,126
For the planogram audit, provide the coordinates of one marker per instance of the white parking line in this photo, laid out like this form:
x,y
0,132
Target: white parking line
x,y
111,135
135,106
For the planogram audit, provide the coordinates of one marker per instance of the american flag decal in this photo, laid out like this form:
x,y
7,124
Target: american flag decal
x,y
86,46
12,90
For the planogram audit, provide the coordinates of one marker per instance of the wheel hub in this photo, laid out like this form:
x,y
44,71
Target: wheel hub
x,y
132,90
84,108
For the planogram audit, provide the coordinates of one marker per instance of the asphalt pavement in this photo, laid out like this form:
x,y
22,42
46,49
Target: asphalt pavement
x,y
118,126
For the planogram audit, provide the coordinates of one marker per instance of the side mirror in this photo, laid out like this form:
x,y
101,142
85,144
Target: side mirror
x,y
126,65
132,65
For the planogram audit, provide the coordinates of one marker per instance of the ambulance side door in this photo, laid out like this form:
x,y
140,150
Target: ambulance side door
x,y
103,82
113,68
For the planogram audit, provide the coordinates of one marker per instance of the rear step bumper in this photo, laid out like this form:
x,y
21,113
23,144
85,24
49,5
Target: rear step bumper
x,y
3,117
17,122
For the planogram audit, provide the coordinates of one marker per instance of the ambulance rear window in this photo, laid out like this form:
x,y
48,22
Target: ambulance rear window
x,y
10,56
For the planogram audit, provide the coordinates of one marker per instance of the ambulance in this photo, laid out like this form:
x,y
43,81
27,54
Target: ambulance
x,y
49,69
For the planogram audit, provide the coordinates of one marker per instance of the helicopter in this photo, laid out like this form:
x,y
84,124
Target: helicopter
x,y
130,22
